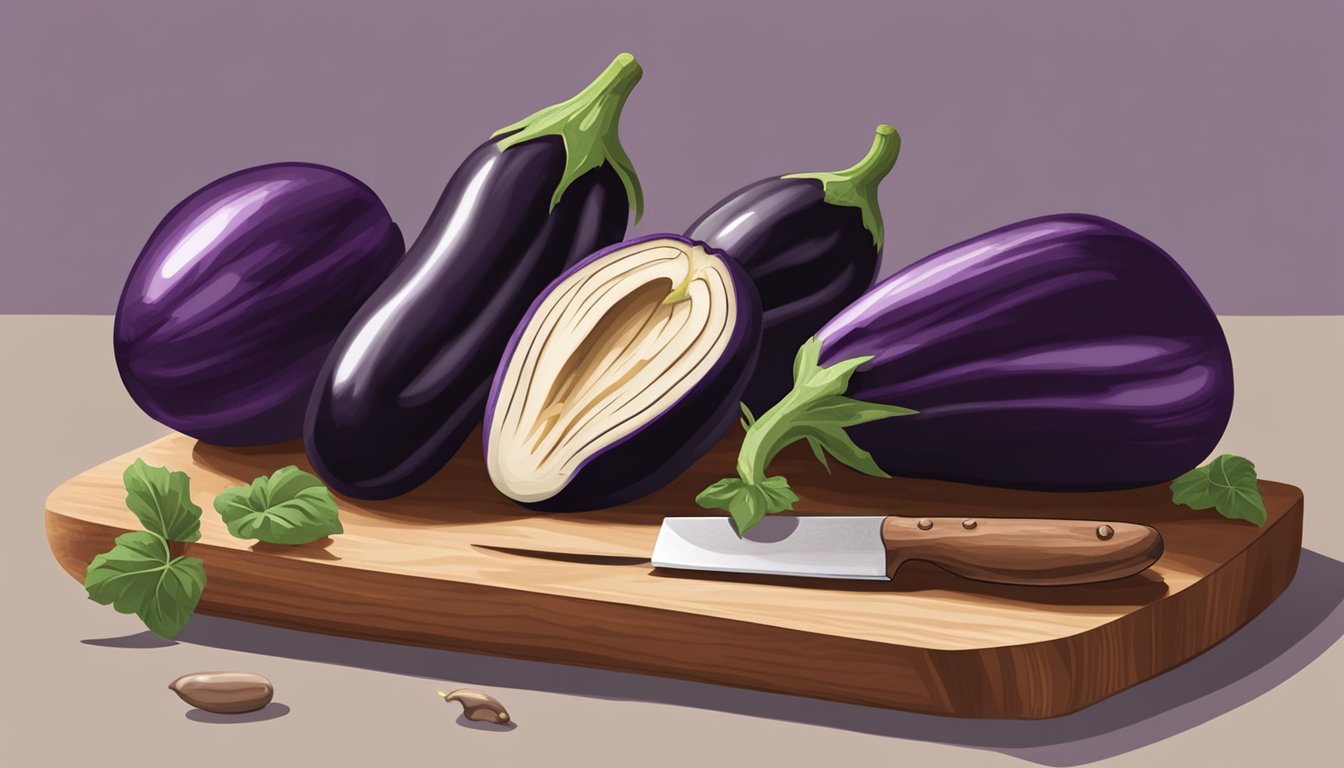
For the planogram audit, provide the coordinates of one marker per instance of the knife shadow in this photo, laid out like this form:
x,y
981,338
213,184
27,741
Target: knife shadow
x,y
1285,638
915,576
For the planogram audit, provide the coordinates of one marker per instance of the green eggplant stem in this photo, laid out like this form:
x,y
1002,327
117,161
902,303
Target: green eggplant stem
x,y
816,410
589,124
879,161
772,433
856,186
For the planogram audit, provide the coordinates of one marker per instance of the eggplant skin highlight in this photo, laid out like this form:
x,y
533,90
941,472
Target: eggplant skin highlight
x,y
240,294
812,242
406,382
624,371
1061,353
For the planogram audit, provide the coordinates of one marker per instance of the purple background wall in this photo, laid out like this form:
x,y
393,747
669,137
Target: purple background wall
x,y
1212,127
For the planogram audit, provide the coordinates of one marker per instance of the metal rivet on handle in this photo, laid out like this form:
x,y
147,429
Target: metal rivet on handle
x,y
969,524
925,524
1105,532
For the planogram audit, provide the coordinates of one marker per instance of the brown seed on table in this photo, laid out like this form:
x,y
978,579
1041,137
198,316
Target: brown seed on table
x,y
1105,532
227,693
478,706
925,524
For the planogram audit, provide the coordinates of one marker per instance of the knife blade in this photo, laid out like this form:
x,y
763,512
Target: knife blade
x,y
1026,551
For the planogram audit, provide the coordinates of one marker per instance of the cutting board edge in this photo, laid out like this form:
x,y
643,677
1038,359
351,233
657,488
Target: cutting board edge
x,y
1054,692
1236,576
75,567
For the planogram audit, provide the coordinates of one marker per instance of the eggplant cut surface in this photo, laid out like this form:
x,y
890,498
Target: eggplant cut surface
x,y
623,340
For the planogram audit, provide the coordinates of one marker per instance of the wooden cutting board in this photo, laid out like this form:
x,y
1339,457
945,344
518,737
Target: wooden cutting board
x,y
406,571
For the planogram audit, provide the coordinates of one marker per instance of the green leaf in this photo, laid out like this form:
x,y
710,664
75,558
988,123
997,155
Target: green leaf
x,y
748,504
831,380
834,379
815,445
719,494
747,417
839,444
814,383
847,412
139,576
162,501
806,359
777,494
289,507
747,510
1228,484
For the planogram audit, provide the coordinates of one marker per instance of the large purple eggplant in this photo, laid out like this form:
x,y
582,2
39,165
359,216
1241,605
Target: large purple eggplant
x,y
235,301
1061,353
624,371
812,242
407,380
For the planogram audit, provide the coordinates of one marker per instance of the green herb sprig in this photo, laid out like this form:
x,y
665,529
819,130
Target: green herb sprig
x,y
1227,484
289,507
140,575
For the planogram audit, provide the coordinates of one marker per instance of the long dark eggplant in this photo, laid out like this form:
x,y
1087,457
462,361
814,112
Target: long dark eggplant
x,y
1064,353
812,242
407,380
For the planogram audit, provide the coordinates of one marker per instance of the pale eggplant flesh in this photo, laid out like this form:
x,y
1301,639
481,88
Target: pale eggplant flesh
x,y
625,370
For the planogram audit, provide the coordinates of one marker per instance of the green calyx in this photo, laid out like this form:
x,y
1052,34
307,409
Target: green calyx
x,y
815,410
857,186
588,124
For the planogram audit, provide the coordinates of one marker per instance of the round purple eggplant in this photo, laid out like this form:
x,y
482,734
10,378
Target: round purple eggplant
x,y
407,381
1063,353
622,373
235,301
812,242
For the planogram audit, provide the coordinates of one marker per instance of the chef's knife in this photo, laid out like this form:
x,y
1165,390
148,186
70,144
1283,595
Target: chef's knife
x,y
1002,550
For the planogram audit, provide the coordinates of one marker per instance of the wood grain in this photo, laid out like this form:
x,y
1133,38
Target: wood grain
x,y
406,571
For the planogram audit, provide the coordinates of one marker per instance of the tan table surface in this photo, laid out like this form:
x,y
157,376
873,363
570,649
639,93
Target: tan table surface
x,y
84,685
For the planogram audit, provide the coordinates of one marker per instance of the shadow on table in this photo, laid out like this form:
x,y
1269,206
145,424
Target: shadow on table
x,y
1297,628
138,640
269,712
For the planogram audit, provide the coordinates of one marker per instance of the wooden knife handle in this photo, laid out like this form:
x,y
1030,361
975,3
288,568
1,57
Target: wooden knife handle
x,y
1023,550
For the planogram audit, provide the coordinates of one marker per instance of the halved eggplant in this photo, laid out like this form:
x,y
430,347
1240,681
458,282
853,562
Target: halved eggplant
x,y
624,371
